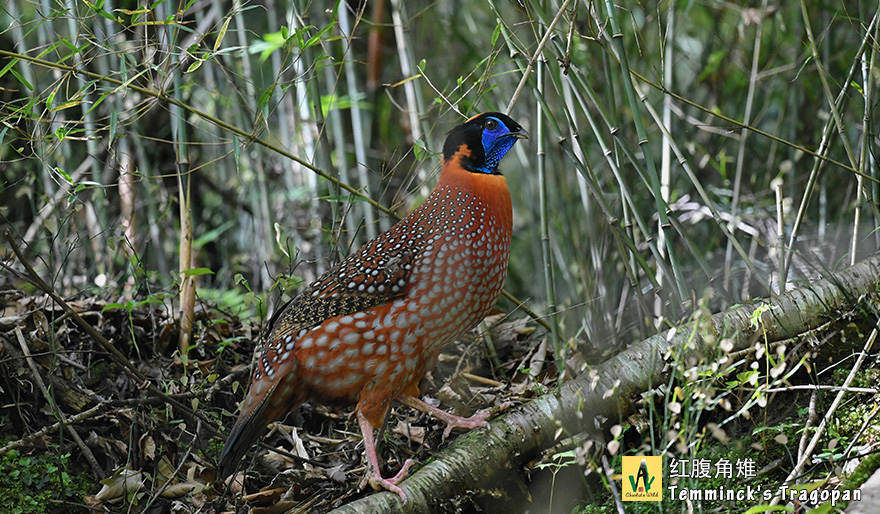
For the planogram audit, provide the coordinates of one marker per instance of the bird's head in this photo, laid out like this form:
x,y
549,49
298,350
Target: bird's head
x,y
486,138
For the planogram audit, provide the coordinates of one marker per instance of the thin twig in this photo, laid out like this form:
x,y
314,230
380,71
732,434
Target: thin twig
x,y
179,467
24,441
87,453
820,430
535,56
115,355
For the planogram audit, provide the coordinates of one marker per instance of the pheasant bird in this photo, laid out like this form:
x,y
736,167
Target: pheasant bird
x,y
369,329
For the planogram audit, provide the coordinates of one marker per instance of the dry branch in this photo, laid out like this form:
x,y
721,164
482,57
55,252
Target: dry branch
x,y
476,463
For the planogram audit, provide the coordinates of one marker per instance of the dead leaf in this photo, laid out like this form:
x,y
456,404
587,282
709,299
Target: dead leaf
x,y
266,496
413,433
236,483
337,474
123,482
148,447
182,489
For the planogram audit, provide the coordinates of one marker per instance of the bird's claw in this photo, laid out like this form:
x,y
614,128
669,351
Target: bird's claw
x,y
374,478
475,421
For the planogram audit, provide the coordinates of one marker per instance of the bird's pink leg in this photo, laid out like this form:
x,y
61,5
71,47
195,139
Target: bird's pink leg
x,y
451,420
374,476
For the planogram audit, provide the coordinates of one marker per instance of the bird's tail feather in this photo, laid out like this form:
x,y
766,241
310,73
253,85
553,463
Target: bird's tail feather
x,y
247,429
265,403
249,426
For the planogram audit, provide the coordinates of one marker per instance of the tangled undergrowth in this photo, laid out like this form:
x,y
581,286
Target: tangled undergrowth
x,y
150,448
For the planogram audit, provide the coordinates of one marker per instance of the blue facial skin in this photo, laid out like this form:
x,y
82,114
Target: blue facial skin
x,y
496,143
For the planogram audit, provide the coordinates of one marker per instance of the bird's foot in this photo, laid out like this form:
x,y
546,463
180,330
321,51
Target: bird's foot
x,y
476,421
374,478
452,421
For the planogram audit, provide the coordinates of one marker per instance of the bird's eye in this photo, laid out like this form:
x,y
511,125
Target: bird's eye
x,y
491,124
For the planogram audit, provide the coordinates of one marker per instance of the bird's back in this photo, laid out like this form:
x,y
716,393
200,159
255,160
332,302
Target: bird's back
x,y
395,303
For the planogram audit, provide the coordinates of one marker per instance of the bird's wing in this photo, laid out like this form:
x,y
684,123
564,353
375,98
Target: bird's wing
x,y
376,274
379,273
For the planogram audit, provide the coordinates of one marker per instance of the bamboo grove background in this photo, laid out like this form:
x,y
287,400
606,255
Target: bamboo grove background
x,y
682,153
123,122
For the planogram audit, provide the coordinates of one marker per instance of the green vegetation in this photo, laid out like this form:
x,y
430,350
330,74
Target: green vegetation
x,y
41,483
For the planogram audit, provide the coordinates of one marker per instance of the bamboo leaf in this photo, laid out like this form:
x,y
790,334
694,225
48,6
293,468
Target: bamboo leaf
x,y
222,33
97,8
195,272
12,62
317,37
21,79
60,171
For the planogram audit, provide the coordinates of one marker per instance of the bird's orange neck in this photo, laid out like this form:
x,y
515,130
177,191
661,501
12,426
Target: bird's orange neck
x,y
491,189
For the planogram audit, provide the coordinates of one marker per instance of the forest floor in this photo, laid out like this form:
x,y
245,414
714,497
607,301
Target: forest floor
x,y
156,448
83,431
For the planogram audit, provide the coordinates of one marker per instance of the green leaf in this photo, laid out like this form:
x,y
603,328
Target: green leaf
x,y
271,42
496,33
317,37
152,300
113,120
298,35
98,8
419,149
331,102
63,173
194,272
222,33
9,65
98,102
212,235
267,94
858,87
70,46
21,79
714,62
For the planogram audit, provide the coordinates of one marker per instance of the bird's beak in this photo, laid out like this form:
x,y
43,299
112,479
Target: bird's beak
x,y
521,134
